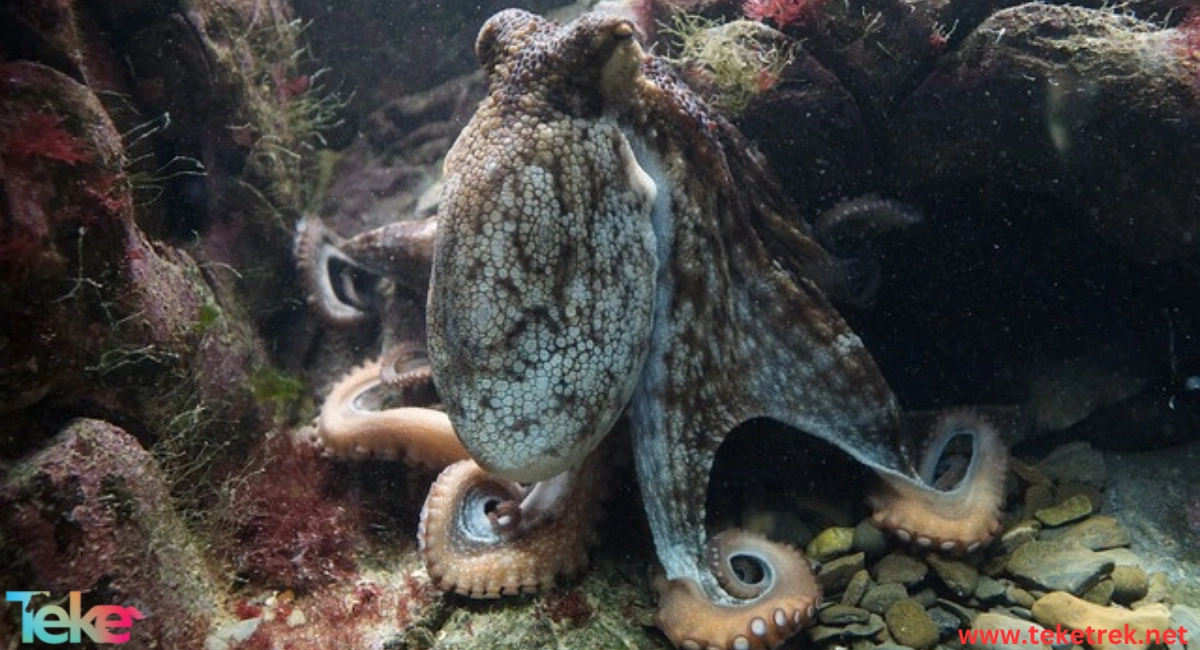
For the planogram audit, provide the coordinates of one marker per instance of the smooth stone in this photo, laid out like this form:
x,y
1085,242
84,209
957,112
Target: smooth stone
x,y
1075,462
1061,608
856,588
1018,596
1058,567
1073,509
947,623
1158,590
843,615
897,567
1121,556
996,621
959,577
869,539
1023,532
990,591
882,596
830,543
836,574
927,597
1101,594
1098,533
1130,583
873,626
910,625
965,614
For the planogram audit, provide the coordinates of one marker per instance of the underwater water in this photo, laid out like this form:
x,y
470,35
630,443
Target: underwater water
x,y
652,324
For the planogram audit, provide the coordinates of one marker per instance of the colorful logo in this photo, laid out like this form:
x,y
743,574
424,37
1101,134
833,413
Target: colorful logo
x,y
52,624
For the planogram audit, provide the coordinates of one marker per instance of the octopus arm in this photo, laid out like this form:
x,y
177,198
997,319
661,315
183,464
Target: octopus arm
x,y
486,537
347,428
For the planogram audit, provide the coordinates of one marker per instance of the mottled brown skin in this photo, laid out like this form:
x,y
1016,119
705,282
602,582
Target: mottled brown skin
x,y
606,245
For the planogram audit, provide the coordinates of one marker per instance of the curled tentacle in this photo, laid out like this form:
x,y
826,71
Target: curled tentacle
x,y
350,427
406,366
315,250
957,518
774,595
486,537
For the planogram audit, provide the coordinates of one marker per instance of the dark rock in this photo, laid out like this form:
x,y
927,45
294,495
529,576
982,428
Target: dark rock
x,y
1072,509
842,615
835,575
1058,567
882,596
898,567
959,577
856,588
1098,533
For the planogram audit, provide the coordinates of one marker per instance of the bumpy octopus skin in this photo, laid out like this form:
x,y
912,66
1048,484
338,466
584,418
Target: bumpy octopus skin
x,y
607,245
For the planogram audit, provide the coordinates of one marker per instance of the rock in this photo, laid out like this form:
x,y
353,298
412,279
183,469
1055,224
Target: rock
x,y
897,567
856,588
843,615
873,626
990,591
1158,590
1073,509
1121,556
1024,531
926,597
910,625
1075,462
1061,608
959,577
869,539
1101,594
835,575
882,596
946,622
1098,533
1130,583
988,621
1037,497
1018,596
1058,567
830,543
92,512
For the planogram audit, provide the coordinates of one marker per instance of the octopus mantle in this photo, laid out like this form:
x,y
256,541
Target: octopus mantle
x,y
608,248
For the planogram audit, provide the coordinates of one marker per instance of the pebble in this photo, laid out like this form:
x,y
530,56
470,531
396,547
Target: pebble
x,y
990,591
1097,533
998,621
898,567
882,596
1130,583
959,577
836,574
856,588
947,623
1058,567
1018,596
1158,590
830,543
873,626
1023,532
1061,608
843,615
1072,509
1101,594
910,625
869,539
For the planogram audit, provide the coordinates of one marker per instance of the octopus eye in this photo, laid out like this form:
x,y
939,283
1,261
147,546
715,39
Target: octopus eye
x,y
623,32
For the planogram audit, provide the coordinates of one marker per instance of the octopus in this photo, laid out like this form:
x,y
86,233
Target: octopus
x,y
609,253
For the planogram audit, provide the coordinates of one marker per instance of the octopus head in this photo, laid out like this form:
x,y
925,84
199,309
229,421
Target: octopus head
x,y
545,264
